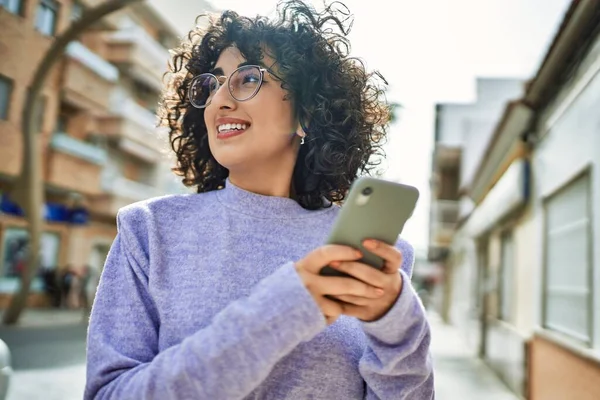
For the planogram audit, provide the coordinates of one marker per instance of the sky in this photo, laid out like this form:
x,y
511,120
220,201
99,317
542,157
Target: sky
x,y
429,51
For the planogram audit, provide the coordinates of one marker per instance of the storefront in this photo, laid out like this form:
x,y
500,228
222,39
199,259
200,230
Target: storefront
x,y
70,240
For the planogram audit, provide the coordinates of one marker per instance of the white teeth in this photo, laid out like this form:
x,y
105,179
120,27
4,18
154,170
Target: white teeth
x,y
228,127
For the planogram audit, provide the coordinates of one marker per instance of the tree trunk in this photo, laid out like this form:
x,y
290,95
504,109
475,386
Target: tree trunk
x,y
29,189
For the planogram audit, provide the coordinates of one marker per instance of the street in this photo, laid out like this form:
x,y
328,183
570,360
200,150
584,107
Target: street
x,y
49,364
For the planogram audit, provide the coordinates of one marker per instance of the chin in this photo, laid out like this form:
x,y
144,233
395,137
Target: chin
x,y
230,158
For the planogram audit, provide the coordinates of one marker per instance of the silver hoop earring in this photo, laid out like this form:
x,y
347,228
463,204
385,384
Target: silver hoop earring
x,y
302,141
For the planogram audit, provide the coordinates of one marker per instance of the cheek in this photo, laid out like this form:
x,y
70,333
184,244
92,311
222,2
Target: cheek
x,y
209,115
275,116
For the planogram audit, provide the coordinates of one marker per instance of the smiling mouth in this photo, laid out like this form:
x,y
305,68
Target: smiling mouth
x,y
229,130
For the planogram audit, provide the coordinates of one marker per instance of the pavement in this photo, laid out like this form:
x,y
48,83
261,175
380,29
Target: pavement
x,y
60,373
48,355
459,375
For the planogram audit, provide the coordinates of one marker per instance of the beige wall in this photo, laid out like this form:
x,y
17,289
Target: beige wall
x,y
559,374
19,41
83,239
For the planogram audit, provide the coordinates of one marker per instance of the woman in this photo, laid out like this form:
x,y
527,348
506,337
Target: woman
x,y
217,295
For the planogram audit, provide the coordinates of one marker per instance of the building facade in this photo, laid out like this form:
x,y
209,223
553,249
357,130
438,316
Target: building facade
x,y
97,126
462,132
530,291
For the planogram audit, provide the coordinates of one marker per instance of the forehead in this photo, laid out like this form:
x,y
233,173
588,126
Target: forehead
x,y
231,58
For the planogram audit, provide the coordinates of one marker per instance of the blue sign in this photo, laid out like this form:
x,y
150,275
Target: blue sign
x,y
53,212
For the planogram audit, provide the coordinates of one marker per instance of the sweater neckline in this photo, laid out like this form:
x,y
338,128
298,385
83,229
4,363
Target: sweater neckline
x,y
261,206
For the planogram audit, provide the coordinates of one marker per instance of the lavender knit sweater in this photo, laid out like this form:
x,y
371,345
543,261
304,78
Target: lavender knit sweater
x,y
199,299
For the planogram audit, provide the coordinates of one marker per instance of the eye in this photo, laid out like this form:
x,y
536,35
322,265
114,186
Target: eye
x,y
250,78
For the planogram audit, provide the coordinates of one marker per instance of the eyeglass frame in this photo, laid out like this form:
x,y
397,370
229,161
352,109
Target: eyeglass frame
x,y
261,69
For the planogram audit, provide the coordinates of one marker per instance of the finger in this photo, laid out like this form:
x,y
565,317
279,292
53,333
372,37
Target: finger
x,y
360,312
329,307
354,300
361,271
324,255
391,255
337,286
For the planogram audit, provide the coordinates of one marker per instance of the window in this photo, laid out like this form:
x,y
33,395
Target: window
x,y
47,14
76,11
13,6
567,259
6,86
61,124
507,292
16,246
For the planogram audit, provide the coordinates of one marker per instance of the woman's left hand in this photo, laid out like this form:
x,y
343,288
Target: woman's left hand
x,y
388,280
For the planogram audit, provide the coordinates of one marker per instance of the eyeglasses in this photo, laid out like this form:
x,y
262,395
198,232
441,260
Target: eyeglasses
x,y
243,84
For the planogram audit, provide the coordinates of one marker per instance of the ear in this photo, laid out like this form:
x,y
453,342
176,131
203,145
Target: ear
x,y
300,131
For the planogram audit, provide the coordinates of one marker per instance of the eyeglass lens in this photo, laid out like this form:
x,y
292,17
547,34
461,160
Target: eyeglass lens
x,y
242,85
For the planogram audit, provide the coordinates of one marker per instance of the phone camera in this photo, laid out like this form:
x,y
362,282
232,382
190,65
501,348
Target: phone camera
x,y
367,191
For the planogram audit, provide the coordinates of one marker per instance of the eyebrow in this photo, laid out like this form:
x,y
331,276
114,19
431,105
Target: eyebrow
x,y
219,71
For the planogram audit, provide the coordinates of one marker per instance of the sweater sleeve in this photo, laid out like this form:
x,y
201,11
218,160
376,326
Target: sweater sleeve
x,y
226,360
396,363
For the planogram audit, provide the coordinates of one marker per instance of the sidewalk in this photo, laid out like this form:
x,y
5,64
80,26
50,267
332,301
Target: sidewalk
x,y
63,383
459,375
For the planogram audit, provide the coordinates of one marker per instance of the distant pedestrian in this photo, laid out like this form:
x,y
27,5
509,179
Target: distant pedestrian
x,y
66,283
51,285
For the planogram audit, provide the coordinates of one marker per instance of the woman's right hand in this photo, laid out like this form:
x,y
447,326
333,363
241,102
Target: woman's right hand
x,y
320,286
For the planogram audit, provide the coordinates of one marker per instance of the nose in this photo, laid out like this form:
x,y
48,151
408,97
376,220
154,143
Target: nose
x,y
222,98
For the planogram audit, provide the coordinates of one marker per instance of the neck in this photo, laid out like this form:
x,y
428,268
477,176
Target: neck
x,y
267,181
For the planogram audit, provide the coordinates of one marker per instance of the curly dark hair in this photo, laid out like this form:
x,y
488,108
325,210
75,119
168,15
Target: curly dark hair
x,y
341,106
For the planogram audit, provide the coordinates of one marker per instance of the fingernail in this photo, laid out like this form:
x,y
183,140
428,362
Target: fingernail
x,y
379,291
358,254
335,264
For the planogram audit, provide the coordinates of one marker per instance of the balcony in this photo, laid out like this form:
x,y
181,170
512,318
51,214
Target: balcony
x,y
88,79
139,55
119,192
442,234
446,211
131,190
444,217
134,130
75,165
445,157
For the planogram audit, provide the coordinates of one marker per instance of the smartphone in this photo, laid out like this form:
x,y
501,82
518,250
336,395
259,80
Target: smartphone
x,y
374,209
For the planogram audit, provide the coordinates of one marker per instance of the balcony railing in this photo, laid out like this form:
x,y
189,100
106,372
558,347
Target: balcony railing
x,y
77,148
134,128
442,234
145,57
446,211
128,189
446,156
75,165
91,60
88,81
